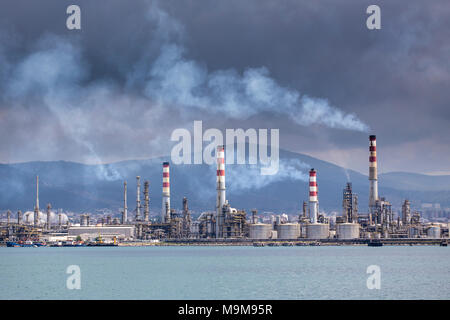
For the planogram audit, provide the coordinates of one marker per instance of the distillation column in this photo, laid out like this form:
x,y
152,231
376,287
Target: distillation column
x,y
19,217
138,198
125,207
146,201
36,208
49,226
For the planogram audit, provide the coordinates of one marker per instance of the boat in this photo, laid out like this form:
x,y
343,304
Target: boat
x,y
301,244
12,244
288,244
40,244
73,244
444,244
258,244
100,243
375,243
29,243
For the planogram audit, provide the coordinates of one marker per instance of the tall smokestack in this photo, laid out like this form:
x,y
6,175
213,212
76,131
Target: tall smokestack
x,y
220,155
48,216
138,198
166,193
36,208
146,201
313,199
373,180
125,206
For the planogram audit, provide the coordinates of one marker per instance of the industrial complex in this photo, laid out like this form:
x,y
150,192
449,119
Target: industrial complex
x,y
228,225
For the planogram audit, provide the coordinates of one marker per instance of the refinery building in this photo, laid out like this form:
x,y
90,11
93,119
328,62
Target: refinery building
x,y
226,223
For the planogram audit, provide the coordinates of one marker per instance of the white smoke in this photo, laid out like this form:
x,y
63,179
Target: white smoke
x,y
246,177
176,81
54,219
56,75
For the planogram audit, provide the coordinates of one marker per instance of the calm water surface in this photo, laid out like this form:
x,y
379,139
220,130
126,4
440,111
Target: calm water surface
x,y
226,272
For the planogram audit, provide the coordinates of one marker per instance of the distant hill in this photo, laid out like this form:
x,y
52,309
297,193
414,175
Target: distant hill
x,y
80,188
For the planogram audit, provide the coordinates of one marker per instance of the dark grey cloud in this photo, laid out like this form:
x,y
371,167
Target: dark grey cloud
x,y
395,80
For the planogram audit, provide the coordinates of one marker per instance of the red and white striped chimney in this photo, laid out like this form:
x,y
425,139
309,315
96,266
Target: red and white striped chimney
x,y
373,179
220,155
166,193
313,198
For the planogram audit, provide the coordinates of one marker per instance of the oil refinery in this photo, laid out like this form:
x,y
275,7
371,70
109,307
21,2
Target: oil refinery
x,y
228,225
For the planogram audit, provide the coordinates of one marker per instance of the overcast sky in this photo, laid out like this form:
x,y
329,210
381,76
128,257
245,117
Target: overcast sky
x,y
138,70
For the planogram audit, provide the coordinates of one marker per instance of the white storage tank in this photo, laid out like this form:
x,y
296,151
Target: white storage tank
x,y
434,232
317,231
260,231
288,231
347,230
303,230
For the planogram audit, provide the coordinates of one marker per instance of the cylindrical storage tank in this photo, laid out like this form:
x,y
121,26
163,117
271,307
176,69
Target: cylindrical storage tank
x,y
288,231
347,230
260,231
317,231
434,232
303,230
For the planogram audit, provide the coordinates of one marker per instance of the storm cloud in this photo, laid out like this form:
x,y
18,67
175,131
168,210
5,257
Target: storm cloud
x,y
116,89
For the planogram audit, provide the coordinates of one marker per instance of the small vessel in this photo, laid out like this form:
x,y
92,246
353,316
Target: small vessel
x,y
375,243
40,244
100,243
301,244
288,244
12,244
258,244
28,243
273,244
444,244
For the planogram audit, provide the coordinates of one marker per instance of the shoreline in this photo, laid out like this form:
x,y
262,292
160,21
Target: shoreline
x,y
284,243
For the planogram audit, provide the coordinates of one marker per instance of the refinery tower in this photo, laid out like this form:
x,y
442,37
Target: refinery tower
x,y
165,214
373,180
220,155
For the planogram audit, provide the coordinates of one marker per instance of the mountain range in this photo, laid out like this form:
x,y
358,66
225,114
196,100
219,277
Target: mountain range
x,y
80,187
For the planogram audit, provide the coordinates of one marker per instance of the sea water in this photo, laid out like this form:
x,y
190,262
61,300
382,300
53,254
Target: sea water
x,y
226,272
